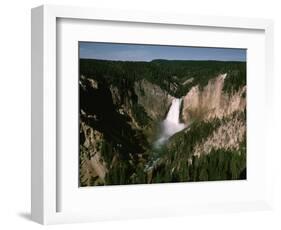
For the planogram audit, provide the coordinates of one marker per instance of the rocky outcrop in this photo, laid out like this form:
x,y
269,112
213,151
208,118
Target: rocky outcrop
x,y
92,166
154,100
212,101
227,136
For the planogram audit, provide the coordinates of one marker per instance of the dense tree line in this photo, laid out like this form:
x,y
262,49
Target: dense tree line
x,y
165,73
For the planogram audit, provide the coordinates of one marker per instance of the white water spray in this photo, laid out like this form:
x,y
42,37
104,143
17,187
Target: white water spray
x,y
171,124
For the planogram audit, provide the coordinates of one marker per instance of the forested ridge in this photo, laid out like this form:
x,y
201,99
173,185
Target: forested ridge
x,y
166,73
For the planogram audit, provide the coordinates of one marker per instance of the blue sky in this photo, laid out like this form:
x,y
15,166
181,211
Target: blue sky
x,y
132,52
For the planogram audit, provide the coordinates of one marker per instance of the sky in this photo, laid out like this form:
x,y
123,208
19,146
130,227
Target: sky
x,y
134,52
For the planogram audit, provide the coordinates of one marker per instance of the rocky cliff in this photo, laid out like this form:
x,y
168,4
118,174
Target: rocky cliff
x,y
118,127
153,99
211,101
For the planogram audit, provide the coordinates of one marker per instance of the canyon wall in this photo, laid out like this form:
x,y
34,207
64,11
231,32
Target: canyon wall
x,y
153,99
212,101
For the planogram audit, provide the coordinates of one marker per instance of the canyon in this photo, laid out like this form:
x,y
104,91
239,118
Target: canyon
x,y
147,131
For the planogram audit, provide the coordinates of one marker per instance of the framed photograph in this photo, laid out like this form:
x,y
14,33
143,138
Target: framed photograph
x,y
141,114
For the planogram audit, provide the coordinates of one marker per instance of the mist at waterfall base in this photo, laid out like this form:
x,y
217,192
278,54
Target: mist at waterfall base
x,y
171,124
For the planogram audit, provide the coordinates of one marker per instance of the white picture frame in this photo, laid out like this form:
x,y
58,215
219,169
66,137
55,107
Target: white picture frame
x,y
45,90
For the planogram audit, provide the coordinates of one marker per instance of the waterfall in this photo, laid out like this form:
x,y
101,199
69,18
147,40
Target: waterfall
x,y
171,124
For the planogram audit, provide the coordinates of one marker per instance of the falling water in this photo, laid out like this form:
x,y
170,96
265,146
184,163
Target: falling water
x,y
171,124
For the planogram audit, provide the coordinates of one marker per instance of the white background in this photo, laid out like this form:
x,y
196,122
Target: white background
x,y
15,113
